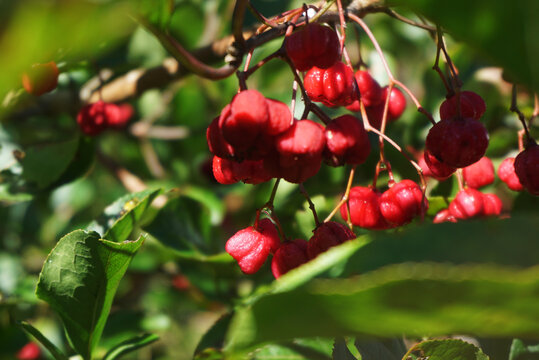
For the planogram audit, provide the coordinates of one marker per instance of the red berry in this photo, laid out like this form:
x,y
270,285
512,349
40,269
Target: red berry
x,y
303,169
506,172
397,103
364,204
228,171
457,142
313,45
223,171
479,174
93,118
436,169
280,117
369,89
444,216
181,282
290,255
40,78
471,106
216,142
467,204
30,351
492,205
250,247
527,168
327,235
402,202
347,141
334,86
119,115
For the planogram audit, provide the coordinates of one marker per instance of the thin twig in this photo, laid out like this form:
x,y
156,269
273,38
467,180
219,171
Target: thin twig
x,y
311,205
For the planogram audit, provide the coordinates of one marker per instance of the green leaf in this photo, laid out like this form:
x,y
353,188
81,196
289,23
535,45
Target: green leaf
x,y
411,299
392,349
130,345
43,164
519,351
119,219
504,32
79,280
341,351
55,352
447,349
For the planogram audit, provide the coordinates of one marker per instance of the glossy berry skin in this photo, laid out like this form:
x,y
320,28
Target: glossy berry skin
x,y
402,202
492,205
94,118
347,141
40,78
223,171
369,89
250,247
444,216
288,256
364,206
467,204
280,117
397,102
471,106
327,235
334,86
479,174
506,173
457,142
313,45
436,169
527,168
30,351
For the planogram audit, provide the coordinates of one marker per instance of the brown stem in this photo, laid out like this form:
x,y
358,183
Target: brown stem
x,y
394,14
514,108
344,197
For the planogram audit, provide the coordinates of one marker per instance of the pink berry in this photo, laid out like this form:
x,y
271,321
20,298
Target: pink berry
x,y
30,351
444,216
364,204
122,115
327,235
479,174
402,202
437,169
250,247
457,142
467,204
492,205
506,172
527,168
471,106
347,141
313,45
290,255
334,86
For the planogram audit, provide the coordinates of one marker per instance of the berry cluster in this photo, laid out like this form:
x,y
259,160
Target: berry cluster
x,y
522,172
94,118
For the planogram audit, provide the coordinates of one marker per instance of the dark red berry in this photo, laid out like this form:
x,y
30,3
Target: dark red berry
x,y
40,78
280,117
402,202
467,204
436,169
181,282
527,168
479,174
364,204
397,103
250,247
327,235
313,45
492,205
334,86
216,142
457,142
93,118
444,216
369,89
506,172
223,171
228,171
347,141
290,255
30,351
471,106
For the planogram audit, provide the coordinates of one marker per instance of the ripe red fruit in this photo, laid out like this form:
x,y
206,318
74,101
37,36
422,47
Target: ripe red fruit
x,y
436,169
467,204
402,202
228,171
290,255
471,106
334,86
492,205
397,102
506,172
40,78
457,142
216,142
479,174
327,235
347,141
364,206
369,89
119,115
250,247
313,45
30,351
93,118
527,168
280,117
444,216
